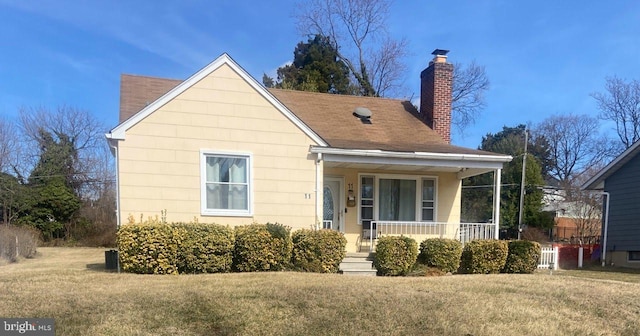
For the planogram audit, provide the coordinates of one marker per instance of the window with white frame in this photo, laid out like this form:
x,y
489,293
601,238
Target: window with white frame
x,y
366,200
226,187
634,255
397,198
428,199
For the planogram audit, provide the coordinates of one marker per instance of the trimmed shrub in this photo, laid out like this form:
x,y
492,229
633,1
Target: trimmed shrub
x,y
204,248
18,242
260,247
319,251
443,254
156,248
484,256
147,248
523,257
395,255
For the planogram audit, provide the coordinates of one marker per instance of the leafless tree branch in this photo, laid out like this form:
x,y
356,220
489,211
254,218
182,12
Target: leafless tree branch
x,y
470,83
358,30
620,103
574,145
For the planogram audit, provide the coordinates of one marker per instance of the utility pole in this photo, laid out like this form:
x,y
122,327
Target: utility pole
x,y
524,170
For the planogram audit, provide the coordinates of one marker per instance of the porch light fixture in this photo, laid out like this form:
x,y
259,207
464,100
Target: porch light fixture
x,y
351,198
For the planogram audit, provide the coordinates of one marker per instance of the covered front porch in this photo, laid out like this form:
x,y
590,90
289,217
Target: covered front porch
x,y
368,194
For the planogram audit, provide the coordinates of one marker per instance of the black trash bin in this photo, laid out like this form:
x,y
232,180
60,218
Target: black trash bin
x,y
111,259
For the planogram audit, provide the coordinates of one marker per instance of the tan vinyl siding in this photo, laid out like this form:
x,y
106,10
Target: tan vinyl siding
x,y
448,198
160,158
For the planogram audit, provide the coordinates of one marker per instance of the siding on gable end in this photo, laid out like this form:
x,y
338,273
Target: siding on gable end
x,y
624,212
160,158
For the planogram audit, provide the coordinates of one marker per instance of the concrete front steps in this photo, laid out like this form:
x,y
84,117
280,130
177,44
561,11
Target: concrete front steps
x,y
358,264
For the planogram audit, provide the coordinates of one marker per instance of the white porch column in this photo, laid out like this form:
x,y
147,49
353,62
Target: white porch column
x,y
318,191
496,201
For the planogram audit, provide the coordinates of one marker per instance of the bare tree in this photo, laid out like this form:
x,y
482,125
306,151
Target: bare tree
x,y
358,30
574,145
620,103
587,208
469,85
80,127
8,144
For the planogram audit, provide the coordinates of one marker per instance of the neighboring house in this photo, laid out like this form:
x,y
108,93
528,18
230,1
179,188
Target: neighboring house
x,y
577,222
620,181
221,148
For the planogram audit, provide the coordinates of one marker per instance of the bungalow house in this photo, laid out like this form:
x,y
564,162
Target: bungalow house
x,y
224,149
619,181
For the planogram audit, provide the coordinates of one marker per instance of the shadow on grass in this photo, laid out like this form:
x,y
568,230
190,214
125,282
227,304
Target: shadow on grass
x,y
610,269
99,267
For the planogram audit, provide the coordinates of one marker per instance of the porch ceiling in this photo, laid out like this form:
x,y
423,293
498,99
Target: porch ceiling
x,y
465,165
462,171
375,166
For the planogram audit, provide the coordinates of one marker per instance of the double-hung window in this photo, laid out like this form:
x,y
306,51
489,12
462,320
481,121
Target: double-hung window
x,y
366,200
226,184
397,198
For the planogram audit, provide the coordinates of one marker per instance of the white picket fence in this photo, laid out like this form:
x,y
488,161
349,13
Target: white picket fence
x,y
549,258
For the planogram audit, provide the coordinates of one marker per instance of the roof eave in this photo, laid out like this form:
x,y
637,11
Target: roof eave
x,y
119,131
597,181
479,163
416,155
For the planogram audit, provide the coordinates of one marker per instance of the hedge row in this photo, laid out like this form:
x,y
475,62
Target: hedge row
x,y
396,256
523,257
262,248
484,256
319,251
440,253
152,247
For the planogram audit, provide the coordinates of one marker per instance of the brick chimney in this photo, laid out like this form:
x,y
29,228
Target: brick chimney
x,y
436,82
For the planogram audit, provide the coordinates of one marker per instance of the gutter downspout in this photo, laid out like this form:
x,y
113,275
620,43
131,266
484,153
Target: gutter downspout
x,y
114,147
606,228
317,191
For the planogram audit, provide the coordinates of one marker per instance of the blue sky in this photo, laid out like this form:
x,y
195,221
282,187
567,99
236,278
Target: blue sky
x,y
542,57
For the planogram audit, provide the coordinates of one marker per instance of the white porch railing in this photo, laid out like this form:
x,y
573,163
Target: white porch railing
x,y
476,231
327,224
465,232
549,258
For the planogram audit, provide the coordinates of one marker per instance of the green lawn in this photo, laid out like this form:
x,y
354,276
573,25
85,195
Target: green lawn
x,y
70,285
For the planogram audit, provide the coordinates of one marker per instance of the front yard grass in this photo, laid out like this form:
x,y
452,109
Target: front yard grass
x,y
605,273
70,285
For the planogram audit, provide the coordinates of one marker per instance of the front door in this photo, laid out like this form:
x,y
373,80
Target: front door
x,y
333,200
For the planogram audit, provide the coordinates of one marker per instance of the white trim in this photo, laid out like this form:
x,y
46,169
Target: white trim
x,y
597,181
359,197
376,193
497,180
435,196
410,155
318,192
341,198
204,211
479,163
113,144
119,131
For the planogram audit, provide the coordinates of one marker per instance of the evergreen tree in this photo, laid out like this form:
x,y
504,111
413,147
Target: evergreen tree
x,y
52,201
478,195
315,67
